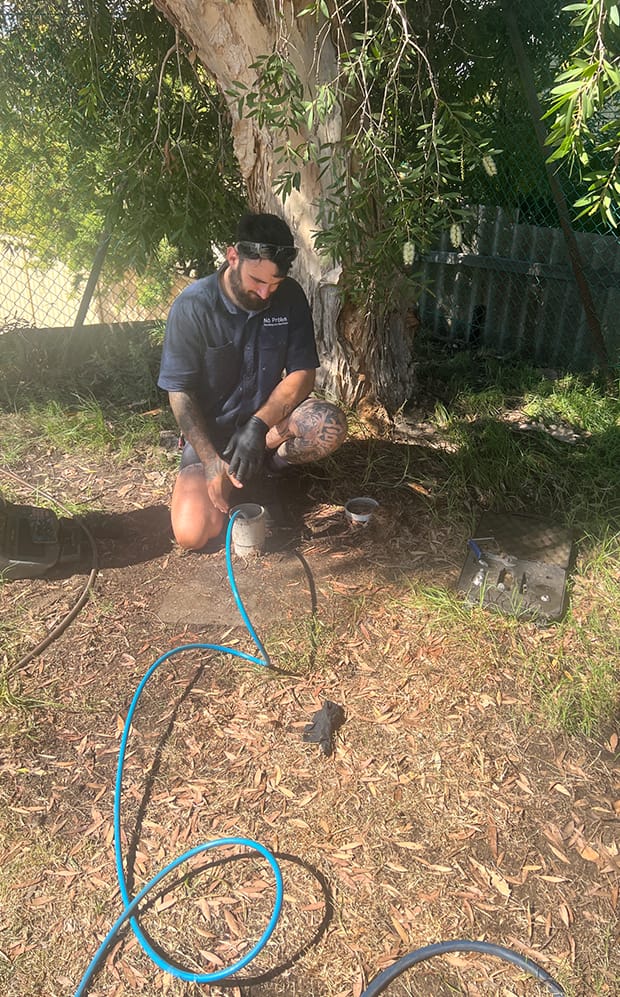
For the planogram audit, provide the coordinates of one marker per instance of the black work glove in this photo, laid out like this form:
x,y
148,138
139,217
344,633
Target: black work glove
x,y
246,449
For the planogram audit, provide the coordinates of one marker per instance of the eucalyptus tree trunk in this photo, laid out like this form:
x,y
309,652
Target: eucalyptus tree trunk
x,y
363,352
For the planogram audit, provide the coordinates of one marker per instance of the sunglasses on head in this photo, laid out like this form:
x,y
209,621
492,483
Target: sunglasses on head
x,y
266,251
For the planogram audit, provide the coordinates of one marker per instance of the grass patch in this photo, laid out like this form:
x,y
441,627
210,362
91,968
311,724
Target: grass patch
x,y
87,426
108,403
533,473
583,698
14,626
12,700
83,425
567,674
600,557
574,401
299,647
575,676
494,462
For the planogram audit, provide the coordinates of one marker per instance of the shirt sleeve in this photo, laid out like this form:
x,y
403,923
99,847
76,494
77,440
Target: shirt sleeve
x,y
301,353
182,349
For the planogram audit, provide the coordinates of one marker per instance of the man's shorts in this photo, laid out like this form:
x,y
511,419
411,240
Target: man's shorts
x,y
188,456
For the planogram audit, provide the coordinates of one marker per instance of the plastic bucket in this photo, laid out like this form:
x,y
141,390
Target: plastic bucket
x,y
249,529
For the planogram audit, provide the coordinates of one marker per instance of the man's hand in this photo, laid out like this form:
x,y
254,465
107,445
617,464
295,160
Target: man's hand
x,y
246,449
218,490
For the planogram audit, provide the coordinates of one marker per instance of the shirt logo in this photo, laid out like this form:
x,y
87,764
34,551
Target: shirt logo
x,y
272,320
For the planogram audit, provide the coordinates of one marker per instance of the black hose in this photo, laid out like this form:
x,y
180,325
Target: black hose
x,y
382,981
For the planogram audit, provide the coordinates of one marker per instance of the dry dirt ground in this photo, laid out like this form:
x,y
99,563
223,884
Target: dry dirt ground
x,y
446,809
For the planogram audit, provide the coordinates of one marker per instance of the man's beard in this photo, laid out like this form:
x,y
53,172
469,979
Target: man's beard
x,y
247,299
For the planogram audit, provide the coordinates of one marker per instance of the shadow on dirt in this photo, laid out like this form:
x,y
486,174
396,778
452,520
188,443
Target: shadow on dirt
x,y
131,537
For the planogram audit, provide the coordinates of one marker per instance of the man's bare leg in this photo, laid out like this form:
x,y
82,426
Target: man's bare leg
x,y
195,520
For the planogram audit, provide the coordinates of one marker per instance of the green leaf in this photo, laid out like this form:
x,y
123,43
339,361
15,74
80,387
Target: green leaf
x,y
562,150
565,88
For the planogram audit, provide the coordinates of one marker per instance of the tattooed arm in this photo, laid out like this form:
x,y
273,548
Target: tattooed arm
x,y
286,396
192,424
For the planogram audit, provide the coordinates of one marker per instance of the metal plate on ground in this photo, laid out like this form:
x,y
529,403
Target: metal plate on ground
x,y
523,567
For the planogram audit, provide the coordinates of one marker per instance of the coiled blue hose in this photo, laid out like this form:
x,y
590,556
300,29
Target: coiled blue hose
x,y
131,905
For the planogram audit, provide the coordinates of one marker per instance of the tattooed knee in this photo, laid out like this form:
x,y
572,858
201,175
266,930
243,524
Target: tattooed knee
x,y
320,428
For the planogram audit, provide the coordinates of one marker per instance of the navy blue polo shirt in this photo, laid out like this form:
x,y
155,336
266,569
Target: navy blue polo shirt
x,y
231,359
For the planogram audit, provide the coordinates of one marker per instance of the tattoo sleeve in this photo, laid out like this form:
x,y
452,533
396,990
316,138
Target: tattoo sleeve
x,y
192,424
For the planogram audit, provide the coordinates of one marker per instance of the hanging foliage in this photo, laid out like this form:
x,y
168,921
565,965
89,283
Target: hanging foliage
x,y
107,118
584,108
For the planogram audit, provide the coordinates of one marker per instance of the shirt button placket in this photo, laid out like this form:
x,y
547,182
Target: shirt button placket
x,y
249,363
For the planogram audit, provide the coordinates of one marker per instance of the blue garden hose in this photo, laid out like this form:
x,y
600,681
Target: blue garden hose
x,y
377,986
131,905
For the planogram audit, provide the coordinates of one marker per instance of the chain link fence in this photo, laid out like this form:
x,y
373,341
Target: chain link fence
x,y
526,275
38,290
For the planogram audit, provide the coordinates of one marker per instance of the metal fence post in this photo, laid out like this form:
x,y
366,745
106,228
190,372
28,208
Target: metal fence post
x,y
93,277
